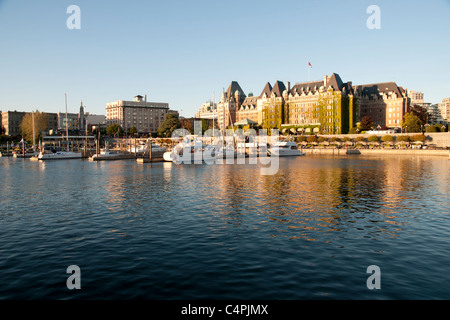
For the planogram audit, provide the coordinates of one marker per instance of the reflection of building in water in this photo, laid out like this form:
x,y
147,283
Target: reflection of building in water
x,y
116,186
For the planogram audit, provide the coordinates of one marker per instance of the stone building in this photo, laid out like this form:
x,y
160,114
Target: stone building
x,y
230,101
145,116
385,103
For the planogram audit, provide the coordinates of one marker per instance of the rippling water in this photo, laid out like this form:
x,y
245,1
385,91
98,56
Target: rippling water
x,y
165,231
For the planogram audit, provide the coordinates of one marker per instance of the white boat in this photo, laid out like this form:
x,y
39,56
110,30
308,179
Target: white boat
x,y
181,153
285,149
59,155
214,152
105,153
143,148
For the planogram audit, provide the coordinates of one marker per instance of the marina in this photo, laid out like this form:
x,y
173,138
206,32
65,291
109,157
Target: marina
x,y
319,222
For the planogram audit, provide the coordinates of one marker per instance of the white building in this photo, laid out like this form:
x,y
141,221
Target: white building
x,y
416,97
208,110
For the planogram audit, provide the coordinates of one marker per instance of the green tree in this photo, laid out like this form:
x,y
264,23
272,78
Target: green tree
x,y
133,131
114,129
421,113
411,123
169,125
366,123
40,124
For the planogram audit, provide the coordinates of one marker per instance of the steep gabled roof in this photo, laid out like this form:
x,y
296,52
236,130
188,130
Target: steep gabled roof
x,y
278,88
267,90
233,87
335,82
250,101
311,85
378,88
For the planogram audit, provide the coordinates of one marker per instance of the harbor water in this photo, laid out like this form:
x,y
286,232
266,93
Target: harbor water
x,y
166,231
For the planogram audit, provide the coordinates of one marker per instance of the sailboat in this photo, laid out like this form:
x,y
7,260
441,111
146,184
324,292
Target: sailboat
x,y
60,155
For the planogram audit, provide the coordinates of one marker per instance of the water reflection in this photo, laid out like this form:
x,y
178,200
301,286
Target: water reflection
x,y
323,199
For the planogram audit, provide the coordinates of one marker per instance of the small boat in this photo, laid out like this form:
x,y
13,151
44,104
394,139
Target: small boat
x,y
214,152
25,155
105,153
285,149
59,155
143,148
181,153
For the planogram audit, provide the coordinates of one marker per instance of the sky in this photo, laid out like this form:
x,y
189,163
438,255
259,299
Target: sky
x,y
186,52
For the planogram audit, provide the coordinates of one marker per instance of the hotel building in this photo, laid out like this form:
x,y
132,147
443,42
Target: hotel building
x,y
230,101
145,116
328,105
385,103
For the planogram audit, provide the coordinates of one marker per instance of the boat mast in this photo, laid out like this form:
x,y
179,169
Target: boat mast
x,y
67,124
223,118
34,135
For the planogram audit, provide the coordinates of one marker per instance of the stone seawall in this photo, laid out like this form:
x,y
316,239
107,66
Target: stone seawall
x,y
439,139
410,152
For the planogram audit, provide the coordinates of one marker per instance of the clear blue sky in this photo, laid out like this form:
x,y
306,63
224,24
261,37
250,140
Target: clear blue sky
x,y
181,52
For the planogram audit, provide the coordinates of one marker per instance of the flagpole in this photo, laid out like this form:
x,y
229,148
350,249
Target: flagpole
x,y
309,68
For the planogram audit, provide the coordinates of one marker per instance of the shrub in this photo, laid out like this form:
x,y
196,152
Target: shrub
x,y
312,139
403,138
335,139
353,130
387,138
300,139
418,137
374,139
433,128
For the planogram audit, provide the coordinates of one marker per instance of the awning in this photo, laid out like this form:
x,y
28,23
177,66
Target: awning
x,y
245,122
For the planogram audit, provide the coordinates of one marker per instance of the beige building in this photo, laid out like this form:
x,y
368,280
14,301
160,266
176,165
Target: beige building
x,y
385,103
415,97
248,109
145,116
444,107
11,121
228,105
208,110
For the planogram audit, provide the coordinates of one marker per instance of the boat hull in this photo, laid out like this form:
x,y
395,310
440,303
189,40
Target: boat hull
x,y
60,156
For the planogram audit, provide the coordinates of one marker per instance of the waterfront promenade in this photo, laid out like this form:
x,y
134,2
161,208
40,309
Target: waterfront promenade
x,y
377,152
